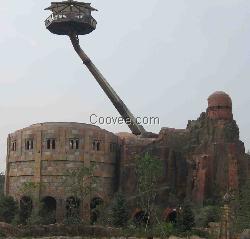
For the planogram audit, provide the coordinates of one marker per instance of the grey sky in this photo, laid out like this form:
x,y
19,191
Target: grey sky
x,y
164,58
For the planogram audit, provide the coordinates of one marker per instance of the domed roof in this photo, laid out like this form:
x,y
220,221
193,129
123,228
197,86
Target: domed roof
x,y
219,98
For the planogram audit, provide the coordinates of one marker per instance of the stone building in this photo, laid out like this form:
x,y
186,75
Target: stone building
x,y
42,153
201,162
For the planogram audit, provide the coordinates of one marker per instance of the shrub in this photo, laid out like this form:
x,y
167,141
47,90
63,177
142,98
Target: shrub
x,y
72,220
35,218
242,214
163,230
207,214
8,209
49,218
186,219
2,235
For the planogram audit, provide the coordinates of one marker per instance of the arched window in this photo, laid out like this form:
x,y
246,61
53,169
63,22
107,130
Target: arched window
x,y
51,144
13,145
74,143
96,145
29,144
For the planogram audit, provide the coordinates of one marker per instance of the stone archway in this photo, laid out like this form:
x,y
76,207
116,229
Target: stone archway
x,y
73,208
26,206
48,210
95,209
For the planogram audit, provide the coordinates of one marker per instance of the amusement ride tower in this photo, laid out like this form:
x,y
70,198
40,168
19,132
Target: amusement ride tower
x,y
73,18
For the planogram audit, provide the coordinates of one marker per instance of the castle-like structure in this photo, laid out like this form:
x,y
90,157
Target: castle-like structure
x,y
201,162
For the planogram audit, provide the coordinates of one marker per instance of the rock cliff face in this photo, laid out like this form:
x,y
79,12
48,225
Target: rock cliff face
x,y
216,157
201,162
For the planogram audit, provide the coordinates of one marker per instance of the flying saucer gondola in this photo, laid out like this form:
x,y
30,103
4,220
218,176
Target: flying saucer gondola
x,y
70,17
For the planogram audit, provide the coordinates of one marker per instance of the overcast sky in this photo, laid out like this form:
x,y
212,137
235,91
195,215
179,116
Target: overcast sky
x,y
164,58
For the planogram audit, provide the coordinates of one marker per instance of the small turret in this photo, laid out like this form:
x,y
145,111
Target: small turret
x,y
219,106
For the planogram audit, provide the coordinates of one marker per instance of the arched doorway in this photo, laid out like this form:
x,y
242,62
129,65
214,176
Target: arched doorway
x,y
26,206
172,216
95,209
48,210
73,208
140,218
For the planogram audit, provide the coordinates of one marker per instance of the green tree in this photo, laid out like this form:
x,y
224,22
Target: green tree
x,y
148,171
30,203
242,214
187,218
120,213
8,208
31,189
80,183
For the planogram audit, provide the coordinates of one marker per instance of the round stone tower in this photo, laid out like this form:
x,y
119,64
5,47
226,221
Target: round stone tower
x,y
219,106
44,153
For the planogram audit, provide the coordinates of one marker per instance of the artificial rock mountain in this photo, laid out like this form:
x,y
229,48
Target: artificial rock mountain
x,y
201,162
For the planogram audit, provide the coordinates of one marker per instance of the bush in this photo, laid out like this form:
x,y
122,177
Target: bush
x,y
72,220
202,234
186,219
16,221
242,214
8,209
187,234
35,218
73,215
161,229
207,214
48,218
2,235
105,215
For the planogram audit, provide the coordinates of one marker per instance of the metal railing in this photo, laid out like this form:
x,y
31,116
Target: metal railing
x,y
71,16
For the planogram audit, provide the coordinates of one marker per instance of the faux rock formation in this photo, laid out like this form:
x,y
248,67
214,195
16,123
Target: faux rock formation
x,y
201,162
